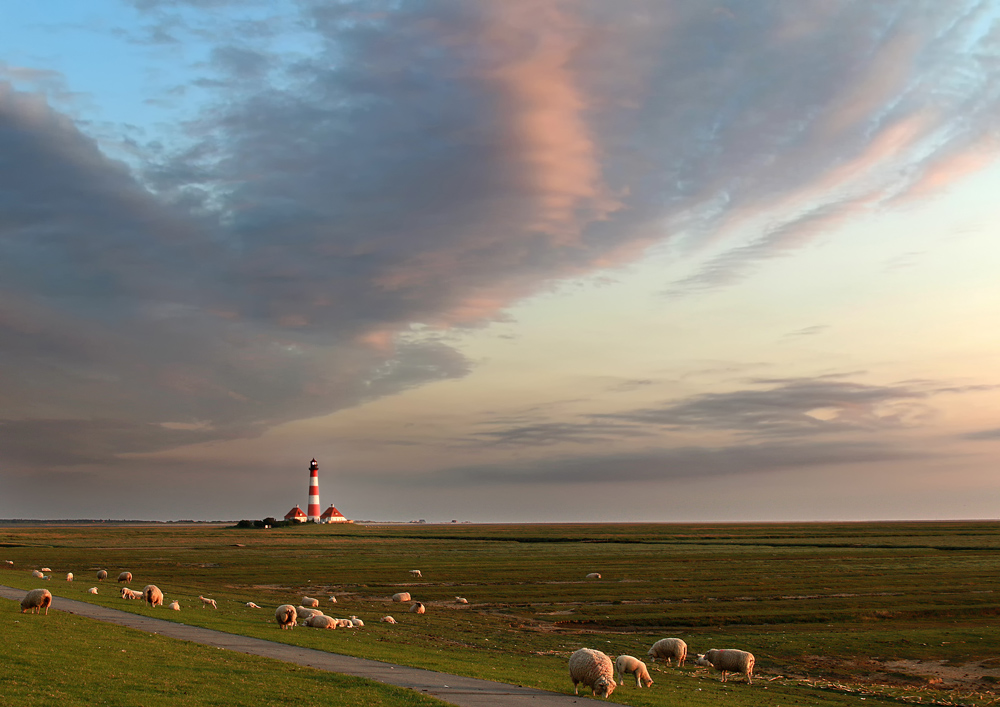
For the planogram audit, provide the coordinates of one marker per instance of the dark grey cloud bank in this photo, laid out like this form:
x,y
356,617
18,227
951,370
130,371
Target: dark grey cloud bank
x,y
361,167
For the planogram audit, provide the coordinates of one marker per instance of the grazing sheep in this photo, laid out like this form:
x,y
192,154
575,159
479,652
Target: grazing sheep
x,y
630,665
36,574
251,605
102,575
461,600
417,608
305,612
387,620
669,649
69,576
593,575
416,573
129,594
205,601
593,669
37,599
152,595
92,590
9,562
729,660
125,577
175,605
321,621
309,601
285,615
401,596
358,623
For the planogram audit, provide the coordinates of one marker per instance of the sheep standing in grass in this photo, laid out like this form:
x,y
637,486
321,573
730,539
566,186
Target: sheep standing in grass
x,y
593,669
69,576
8,562
669,649
102,575
417,608
125,577
174,605
152,595
401,596
205,601
92,590
286,616
630,665
35,600
309,601
729,660
416,574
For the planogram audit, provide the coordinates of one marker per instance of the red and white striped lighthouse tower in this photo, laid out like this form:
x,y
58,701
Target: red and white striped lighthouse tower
x,y
312,513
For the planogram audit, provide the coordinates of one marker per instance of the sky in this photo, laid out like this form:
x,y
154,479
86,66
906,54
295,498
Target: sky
x,y
518,261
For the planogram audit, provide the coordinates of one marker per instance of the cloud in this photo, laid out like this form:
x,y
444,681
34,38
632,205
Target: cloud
x,y
987,435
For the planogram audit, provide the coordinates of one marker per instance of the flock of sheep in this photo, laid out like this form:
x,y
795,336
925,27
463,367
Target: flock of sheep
x,y
587,666
594,669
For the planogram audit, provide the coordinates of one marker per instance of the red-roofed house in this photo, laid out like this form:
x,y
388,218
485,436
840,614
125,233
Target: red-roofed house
x,y
296,514
332,515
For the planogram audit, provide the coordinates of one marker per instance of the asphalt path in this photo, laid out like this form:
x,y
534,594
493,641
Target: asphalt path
x,y
455,689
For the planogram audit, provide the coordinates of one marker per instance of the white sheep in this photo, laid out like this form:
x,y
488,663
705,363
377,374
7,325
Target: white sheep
x,y
669,649
309,601
630,665
401,596
125,577
306,612
357,623
36,600
251,605
417,608
152,595
321,621
461,600
92,590
69,576
729,660
416,573
594,669
286,616
102,575
593,575
333,599
345,623
388,620
46,569
36,574
129,594
174,605
8,562
205,601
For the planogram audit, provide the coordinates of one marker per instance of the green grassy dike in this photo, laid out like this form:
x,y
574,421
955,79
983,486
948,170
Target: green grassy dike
x,y
895,613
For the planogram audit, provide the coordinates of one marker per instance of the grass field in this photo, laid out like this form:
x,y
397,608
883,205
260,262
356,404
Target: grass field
x,y
897,613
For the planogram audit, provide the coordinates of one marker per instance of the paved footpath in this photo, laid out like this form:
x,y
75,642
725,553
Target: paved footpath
x,y
457,690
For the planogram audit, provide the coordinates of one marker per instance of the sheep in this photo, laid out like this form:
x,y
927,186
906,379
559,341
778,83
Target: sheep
x,y
729,660
305,612
387,620
125,577
251,605
35,600
129,594
36,574
358,623
594,669
152,595
69,576
205,601
401,596
333,599
47,577
174,605
627,664
417,608
321,621
46,569
345,623
285,615
102,575
461,600
669,649
416,573
9,562
309,601
593,575
92,590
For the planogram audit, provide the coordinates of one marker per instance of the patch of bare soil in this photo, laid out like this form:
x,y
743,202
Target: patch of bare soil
x,y
975,675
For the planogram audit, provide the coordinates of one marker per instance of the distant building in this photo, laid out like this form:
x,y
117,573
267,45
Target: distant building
x,y
296,514
332,515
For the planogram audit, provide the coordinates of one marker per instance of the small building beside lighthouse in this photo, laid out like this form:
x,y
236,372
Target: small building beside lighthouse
x,y
296,514
332,515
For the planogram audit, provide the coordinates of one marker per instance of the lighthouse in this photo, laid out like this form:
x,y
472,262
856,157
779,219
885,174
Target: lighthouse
x,y
312,512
